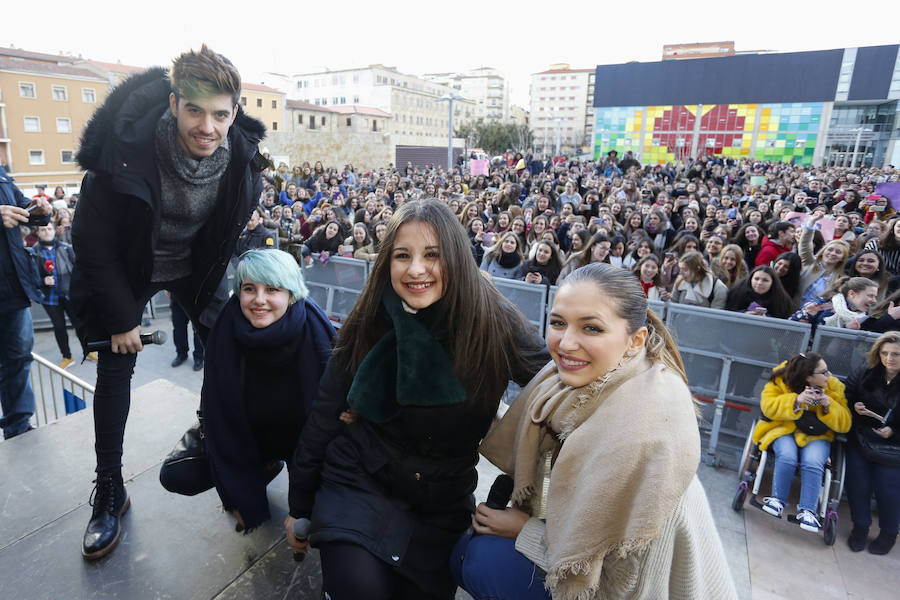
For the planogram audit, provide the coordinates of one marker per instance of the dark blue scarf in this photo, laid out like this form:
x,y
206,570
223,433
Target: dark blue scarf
x,y
233,451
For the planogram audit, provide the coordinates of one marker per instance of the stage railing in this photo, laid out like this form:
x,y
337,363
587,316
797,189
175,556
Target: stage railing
x,y
728,356
56,392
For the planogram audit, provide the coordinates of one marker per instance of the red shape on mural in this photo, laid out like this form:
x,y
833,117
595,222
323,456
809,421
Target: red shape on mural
x,y
675,130
682,121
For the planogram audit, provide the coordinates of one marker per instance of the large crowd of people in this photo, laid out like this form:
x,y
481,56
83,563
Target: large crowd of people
x,y
776,240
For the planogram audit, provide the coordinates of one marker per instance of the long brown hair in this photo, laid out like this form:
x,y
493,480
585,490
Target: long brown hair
x,y
481,322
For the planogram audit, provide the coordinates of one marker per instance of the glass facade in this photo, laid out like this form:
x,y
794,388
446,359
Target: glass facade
x,y
859,134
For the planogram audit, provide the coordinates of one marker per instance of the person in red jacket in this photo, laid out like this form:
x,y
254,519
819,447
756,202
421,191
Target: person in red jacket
x,y
781,235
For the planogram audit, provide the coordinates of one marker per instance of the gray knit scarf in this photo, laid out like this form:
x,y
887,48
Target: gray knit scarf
x,y
173,159
188,191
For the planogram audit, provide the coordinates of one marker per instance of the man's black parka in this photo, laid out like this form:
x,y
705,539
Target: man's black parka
x,y
113,232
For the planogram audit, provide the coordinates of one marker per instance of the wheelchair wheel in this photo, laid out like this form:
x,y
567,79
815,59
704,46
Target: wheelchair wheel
x,y
830,529
838,472
737,504
747,454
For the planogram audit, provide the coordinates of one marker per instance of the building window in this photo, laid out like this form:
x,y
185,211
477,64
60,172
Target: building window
x,y
35,157
243,100
300,119
60,93
374,125
88,95
63,125
348,121
334,100
26,90
312,122
32,124
67,157
323,121
355,99
259,103
274,103
343,100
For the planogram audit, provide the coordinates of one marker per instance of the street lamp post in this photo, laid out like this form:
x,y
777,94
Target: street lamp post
x,y
449,98
558,121
859,131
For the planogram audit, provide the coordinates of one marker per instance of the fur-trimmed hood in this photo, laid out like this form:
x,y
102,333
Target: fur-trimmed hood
x,y
130,113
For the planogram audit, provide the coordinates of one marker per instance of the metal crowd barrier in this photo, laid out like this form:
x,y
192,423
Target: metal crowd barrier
x,y
843,349
530,298
728,357
51,386
336,284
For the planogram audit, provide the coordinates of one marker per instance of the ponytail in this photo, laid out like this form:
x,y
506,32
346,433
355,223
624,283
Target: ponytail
x,y
661,347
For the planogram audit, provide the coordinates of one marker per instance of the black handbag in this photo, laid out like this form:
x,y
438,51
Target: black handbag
x,y
876,449
186,469
810,424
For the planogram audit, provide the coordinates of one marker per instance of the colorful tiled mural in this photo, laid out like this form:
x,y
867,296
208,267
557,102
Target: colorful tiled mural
x,y
658,134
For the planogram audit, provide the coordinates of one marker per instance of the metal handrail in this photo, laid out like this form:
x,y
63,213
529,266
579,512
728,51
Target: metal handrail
x,y
41,385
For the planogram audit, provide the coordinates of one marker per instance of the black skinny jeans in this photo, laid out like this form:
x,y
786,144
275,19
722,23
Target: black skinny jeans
x,y
112,397
179,332
57,314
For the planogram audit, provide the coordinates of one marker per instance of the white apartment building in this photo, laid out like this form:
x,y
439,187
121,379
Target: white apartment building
x,y
486,86
419,117
562,108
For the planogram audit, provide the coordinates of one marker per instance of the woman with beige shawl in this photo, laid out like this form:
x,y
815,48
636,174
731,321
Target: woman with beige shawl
x,y
624,515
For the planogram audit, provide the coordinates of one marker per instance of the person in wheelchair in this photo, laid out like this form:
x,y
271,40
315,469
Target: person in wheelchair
x,y
803,406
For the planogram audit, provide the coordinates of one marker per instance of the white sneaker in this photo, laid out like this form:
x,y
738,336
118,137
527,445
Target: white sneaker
x,y
773,506
808,521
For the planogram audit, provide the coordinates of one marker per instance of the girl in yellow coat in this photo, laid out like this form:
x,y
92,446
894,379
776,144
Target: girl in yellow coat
x,y
803,405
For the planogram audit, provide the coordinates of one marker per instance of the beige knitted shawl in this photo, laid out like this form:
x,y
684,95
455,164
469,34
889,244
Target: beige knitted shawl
x,y
629,449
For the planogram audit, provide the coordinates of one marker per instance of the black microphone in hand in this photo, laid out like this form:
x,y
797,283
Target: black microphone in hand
x,y
300,530
157,337
500,493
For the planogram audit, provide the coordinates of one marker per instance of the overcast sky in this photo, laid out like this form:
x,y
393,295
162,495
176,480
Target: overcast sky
x,y
518,38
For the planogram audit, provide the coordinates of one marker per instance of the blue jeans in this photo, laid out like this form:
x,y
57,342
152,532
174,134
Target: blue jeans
x,y
16,396
490,568
812,467
864,477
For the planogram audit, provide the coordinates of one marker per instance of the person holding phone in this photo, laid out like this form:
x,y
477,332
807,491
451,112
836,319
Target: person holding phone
x,y
873,446
804,406
761,293
23,287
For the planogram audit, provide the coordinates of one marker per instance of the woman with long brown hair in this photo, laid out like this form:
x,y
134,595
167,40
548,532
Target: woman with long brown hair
x,y
422,358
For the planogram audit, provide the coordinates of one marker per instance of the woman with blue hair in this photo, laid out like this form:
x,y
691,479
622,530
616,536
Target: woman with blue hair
x,y
265,355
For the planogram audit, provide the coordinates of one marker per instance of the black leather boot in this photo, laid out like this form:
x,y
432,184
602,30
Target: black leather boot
x,y
110,501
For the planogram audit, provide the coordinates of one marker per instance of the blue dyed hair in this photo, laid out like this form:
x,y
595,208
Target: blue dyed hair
x,y
271,267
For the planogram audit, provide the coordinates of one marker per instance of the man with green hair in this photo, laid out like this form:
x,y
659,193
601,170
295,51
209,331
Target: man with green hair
x,y
173,169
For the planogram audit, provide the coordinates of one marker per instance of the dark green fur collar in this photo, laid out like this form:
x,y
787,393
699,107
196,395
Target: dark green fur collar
x,y
407,367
